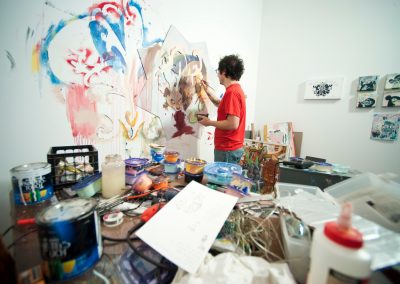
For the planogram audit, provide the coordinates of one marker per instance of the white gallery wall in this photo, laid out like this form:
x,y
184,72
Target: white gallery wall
x,y
32,119
310,39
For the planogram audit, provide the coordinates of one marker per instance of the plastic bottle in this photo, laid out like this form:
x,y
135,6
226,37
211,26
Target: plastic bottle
x,y
113,176
337,255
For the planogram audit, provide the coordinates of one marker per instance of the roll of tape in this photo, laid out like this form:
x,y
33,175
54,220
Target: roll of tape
x,y
113,219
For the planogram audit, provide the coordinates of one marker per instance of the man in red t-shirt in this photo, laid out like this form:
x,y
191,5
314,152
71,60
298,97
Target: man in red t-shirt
x,y
231,119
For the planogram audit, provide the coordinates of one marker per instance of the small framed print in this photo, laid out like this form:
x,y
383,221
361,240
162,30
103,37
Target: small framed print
x,y
392,81
366,99
367,83
391,100
385,126
324,89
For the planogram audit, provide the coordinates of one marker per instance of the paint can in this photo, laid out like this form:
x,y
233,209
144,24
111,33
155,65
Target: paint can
x,y
32,183
70,238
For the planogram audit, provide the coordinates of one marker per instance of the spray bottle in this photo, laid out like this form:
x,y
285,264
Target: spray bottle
x,y
337,255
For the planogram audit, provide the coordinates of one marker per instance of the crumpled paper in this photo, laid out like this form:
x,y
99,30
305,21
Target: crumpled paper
x,y
233,268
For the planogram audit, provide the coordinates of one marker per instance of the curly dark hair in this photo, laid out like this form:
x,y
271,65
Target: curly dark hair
x,y
232,65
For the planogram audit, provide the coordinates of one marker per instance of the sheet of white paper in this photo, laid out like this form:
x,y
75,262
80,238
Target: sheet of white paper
x,y
186,227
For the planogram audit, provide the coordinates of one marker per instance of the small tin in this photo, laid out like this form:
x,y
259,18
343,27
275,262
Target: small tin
x,y
32,183
70,238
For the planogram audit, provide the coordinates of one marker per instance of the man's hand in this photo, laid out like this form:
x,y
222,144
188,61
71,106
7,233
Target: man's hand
x,y
204,120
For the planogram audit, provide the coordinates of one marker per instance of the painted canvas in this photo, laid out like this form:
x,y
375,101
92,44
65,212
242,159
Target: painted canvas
x,y
323,89
391,99
176,69
366,99
367,83
385,126
392,81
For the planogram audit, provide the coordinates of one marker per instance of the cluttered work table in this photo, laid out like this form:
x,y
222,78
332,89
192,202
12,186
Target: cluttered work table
x,y
196,232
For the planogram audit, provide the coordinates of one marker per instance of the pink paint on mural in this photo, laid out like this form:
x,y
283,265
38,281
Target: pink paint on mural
x,y
81,113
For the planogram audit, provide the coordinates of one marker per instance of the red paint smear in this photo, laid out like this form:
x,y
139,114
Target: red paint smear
x,y
180,125
77,101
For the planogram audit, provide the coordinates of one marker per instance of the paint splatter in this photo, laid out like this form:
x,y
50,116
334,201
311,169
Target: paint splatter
x,y
11,59
48,3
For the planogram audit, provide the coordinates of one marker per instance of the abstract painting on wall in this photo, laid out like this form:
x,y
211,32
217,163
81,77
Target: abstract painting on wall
x,y
366,99
176,70
385,126
367,83
324,89
124,82
392,81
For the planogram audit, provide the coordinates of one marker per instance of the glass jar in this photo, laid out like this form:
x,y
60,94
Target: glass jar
x,y
113,176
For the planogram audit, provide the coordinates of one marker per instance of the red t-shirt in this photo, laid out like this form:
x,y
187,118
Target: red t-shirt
x,y
233,103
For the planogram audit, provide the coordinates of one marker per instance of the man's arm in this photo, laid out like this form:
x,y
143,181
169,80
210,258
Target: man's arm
x,y
210,93
230,123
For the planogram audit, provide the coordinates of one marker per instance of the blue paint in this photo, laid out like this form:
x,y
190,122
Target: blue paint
x,y
119,61
96,30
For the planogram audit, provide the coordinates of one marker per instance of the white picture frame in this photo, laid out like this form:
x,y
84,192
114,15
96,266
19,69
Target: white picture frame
x,y
324,89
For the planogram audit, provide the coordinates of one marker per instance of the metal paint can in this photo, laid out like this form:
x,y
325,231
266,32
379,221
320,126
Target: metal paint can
x,y
32,183
70,238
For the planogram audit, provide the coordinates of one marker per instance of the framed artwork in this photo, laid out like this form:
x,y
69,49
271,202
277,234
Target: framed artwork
x,y
324,89
366,99
391,100
385,126
367,83
392,81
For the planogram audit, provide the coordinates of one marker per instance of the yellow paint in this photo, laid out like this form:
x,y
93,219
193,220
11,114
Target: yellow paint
x,y
35,60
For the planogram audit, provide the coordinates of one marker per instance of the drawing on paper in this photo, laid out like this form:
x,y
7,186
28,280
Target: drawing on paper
x,y
392,81
324,89
367,83
366,99
385,126
391,100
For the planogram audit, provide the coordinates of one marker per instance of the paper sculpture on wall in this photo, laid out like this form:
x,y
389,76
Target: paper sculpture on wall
x,y
392,81
325,89
367,83
385,126
366,99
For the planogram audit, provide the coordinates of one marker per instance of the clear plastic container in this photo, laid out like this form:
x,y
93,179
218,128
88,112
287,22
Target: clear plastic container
x,y
195,166
221,173
113,176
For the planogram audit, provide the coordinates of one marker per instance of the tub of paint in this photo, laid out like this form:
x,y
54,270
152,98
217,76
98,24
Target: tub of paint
x,y
195,166
221,173
69,237
241,183
88,186
171,156
172,168
157,152
134,166
32,183
160,182
196,177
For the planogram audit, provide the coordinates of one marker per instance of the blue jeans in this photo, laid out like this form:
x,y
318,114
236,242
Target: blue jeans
x,y
228,156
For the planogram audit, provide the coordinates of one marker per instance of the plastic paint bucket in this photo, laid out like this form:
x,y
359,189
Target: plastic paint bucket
x,y
32,183
157,152
70,238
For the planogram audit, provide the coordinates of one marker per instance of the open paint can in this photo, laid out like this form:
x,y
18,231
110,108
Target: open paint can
x,y
32,183
70,238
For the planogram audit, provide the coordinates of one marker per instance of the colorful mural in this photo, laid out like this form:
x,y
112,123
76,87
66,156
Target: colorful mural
x,y
92,62
116,80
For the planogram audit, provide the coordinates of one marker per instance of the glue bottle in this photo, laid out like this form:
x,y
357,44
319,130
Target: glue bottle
x,y
113,176
337,255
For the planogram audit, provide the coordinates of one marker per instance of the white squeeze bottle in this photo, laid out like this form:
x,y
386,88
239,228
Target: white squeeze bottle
x,y
113,176
337,255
